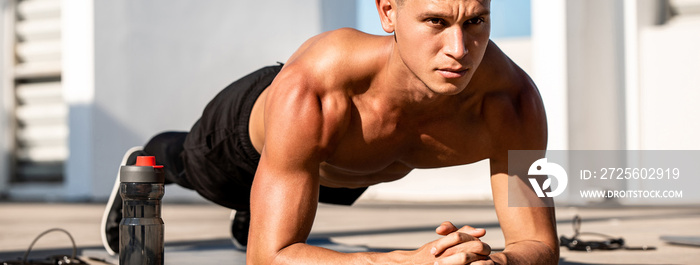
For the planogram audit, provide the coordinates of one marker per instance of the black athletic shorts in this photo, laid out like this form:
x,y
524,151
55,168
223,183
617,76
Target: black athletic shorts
x,y
219,158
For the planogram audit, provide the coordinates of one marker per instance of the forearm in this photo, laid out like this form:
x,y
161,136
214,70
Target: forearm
x,y
306,254
527,252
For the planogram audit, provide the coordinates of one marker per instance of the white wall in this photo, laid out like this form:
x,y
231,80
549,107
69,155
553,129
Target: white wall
x,y
605,95
462,183
78,81
668,90
670,85
550,66
157,64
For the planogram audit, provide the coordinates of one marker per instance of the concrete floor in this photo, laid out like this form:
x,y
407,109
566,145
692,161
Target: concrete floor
x,y
193,230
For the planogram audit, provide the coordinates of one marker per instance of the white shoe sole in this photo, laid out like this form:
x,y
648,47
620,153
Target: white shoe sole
x,y
110,201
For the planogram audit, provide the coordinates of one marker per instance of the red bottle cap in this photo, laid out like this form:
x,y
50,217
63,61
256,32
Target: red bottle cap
x,y
147,161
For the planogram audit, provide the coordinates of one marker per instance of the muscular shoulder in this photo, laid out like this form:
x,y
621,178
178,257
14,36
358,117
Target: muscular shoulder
x,y
311,95
517,117
512,107
299,110
340,57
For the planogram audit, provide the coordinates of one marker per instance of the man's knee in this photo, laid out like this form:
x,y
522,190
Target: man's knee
x,y
166,143
167,147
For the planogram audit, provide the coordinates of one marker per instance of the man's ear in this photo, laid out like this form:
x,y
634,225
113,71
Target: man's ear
x,y
387,14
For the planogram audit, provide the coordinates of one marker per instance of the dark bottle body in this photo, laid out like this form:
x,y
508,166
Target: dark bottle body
x,y
141,230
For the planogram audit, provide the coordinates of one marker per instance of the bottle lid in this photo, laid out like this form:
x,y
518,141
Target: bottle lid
x,y
147,161
144,171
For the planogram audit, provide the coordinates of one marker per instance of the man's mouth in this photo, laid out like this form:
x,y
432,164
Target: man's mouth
x,y
451,73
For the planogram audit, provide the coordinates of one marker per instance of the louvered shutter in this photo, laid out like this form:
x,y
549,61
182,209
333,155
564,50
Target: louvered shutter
x,y
41,129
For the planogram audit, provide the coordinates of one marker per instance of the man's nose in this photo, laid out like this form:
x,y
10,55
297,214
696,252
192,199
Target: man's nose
x,y
454,43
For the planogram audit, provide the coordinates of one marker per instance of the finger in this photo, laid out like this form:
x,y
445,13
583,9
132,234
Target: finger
x,y
476,247
460,258
475,232
450,240
445,228
483,262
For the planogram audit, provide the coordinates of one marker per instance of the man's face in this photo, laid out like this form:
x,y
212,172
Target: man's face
x,y
443,41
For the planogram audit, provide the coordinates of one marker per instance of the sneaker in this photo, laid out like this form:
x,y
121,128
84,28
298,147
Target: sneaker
x,y
240,222
113,212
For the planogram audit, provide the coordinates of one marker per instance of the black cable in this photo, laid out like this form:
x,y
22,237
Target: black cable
x,y
26,254
612,243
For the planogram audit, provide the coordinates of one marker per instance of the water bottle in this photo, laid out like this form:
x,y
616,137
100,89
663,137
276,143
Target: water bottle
x,y
141,228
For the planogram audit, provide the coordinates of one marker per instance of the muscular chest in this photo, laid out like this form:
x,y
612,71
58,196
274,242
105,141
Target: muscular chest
x,y
374,144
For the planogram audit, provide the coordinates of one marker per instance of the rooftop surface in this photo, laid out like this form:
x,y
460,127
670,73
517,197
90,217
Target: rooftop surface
x,y
199,232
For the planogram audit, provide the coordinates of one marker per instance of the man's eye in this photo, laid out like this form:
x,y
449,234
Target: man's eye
x,y
475,21
435,21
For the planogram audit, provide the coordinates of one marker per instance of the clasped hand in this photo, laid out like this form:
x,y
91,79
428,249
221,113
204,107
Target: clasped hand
x,y
458,246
